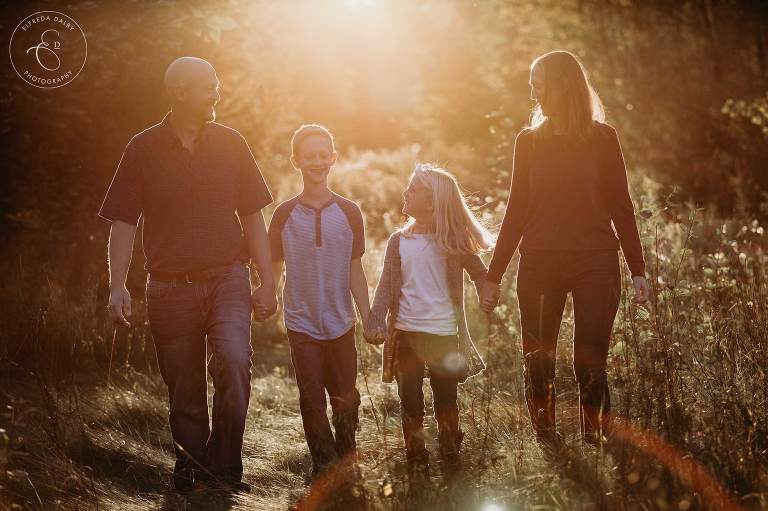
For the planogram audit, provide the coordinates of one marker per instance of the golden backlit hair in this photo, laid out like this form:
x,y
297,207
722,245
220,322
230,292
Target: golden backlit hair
x,y
306,131
580,106
457,230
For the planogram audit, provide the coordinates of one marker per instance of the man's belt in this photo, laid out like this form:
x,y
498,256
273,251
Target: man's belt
x,y
189,278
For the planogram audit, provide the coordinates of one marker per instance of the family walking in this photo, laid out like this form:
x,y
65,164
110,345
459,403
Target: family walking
x,y
200,193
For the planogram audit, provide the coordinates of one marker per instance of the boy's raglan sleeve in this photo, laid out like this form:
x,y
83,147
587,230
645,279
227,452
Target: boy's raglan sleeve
x,y
358,233
124,198
254,193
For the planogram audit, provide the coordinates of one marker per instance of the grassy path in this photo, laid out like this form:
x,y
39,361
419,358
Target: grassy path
x,y
93,446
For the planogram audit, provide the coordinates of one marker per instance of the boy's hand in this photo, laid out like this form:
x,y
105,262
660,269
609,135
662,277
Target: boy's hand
x,y
264,302
489,296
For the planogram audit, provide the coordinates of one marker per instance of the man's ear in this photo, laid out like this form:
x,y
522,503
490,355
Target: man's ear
x,y
177,94
293,162
334,158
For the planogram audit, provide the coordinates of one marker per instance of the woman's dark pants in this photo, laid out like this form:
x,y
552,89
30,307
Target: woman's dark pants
x,y
544,280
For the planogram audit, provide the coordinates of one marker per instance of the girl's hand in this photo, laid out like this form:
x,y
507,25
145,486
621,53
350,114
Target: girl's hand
x,y
489,296
642,289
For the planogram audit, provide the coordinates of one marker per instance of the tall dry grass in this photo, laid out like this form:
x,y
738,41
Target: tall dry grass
x,y
84,417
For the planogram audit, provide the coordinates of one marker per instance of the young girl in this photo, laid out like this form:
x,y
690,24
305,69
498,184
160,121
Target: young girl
x,y
422,290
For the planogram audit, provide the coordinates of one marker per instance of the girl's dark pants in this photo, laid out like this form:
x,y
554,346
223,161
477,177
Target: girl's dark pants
x,y
416,352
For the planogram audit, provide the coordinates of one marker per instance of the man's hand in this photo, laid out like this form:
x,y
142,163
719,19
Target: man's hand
x,y
264,302
489,296
642,289
119,305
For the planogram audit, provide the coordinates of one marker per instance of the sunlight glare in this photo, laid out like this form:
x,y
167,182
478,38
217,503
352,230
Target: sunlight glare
x,y
358,3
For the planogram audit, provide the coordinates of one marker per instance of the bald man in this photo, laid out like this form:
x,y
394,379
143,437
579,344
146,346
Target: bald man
x,y
200,192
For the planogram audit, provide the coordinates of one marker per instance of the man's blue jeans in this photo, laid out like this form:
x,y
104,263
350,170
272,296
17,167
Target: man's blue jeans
x,y
183,318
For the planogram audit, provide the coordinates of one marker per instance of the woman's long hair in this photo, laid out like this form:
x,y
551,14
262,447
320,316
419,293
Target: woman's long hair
x,y
579,106
457,230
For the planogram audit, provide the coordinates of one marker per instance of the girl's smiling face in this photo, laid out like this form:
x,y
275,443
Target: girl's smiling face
x,y
417,200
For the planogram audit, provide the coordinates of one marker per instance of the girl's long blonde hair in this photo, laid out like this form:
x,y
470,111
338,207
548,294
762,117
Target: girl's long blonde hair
x,y
457,230
580,105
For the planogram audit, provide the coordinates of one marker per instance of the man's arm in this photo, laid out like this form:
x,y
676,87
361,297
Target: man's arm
x,y
264,298
358,284
119,252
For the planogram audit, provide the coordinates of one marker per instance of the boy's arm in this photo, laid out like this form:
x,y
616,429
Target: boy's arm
x,y
277,274
358,284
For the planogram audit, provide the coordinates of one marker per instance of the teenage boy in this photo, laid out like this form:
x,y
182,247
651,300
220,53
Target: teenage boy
x,y
319,236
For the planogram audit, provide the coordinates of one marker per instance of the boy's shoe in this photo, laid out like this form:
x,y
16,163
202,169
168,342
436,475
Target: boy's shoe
x,y
223,483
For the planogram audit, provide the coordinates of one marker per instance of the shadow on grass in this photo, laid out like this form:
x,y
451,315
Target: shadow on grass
x,y
131,472
197,499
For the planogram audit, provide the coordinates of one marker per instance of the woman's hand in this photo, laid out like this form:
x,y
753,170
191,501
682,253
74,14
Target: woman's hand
x,y
642,289
489,296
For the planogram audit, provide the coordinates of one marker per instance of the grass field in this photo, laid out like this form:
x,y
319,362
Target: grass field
x,y
84,413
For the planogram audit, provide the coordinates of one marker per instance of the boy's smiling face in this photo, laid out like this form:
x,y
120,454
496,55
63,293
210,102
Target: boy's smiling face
x,y
314,159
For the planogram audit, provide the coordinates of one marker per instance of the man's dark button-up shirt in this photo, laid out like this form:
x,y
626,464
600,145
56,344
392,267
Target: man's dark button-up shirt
x,y
190,200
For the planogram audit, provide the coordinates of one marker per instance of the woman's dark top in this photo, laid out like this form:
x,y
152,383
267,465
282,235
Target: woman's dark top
x,y
565,197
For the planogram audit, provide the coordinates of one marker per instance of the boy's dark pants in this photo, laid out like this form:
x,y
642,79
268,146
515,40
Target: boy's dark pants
x,y
439,353
183,318
543,282
330,365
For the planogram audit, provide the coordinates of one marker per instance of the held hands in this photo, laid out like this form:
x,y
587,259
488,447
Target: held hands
x,y
642,289
264,302
119,306
373,333
489,296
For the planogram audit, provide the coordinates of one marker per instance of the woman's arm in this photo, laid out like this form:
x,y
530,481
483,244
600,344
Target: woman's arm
x,y
620,204
514,216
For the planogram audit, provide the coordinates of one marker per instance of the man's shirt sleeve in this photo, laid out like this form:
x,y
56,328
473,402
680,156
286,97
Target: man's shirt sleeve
x,y
254,193
124,199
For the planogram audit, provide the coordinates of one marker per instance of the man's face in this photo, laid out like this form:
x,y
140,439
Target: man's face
x,y
314,159
199,96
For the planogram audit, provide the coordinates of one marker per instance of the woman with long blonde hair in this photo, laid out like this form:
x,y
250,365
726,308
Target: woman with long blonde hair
x,y
568,194
418,307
